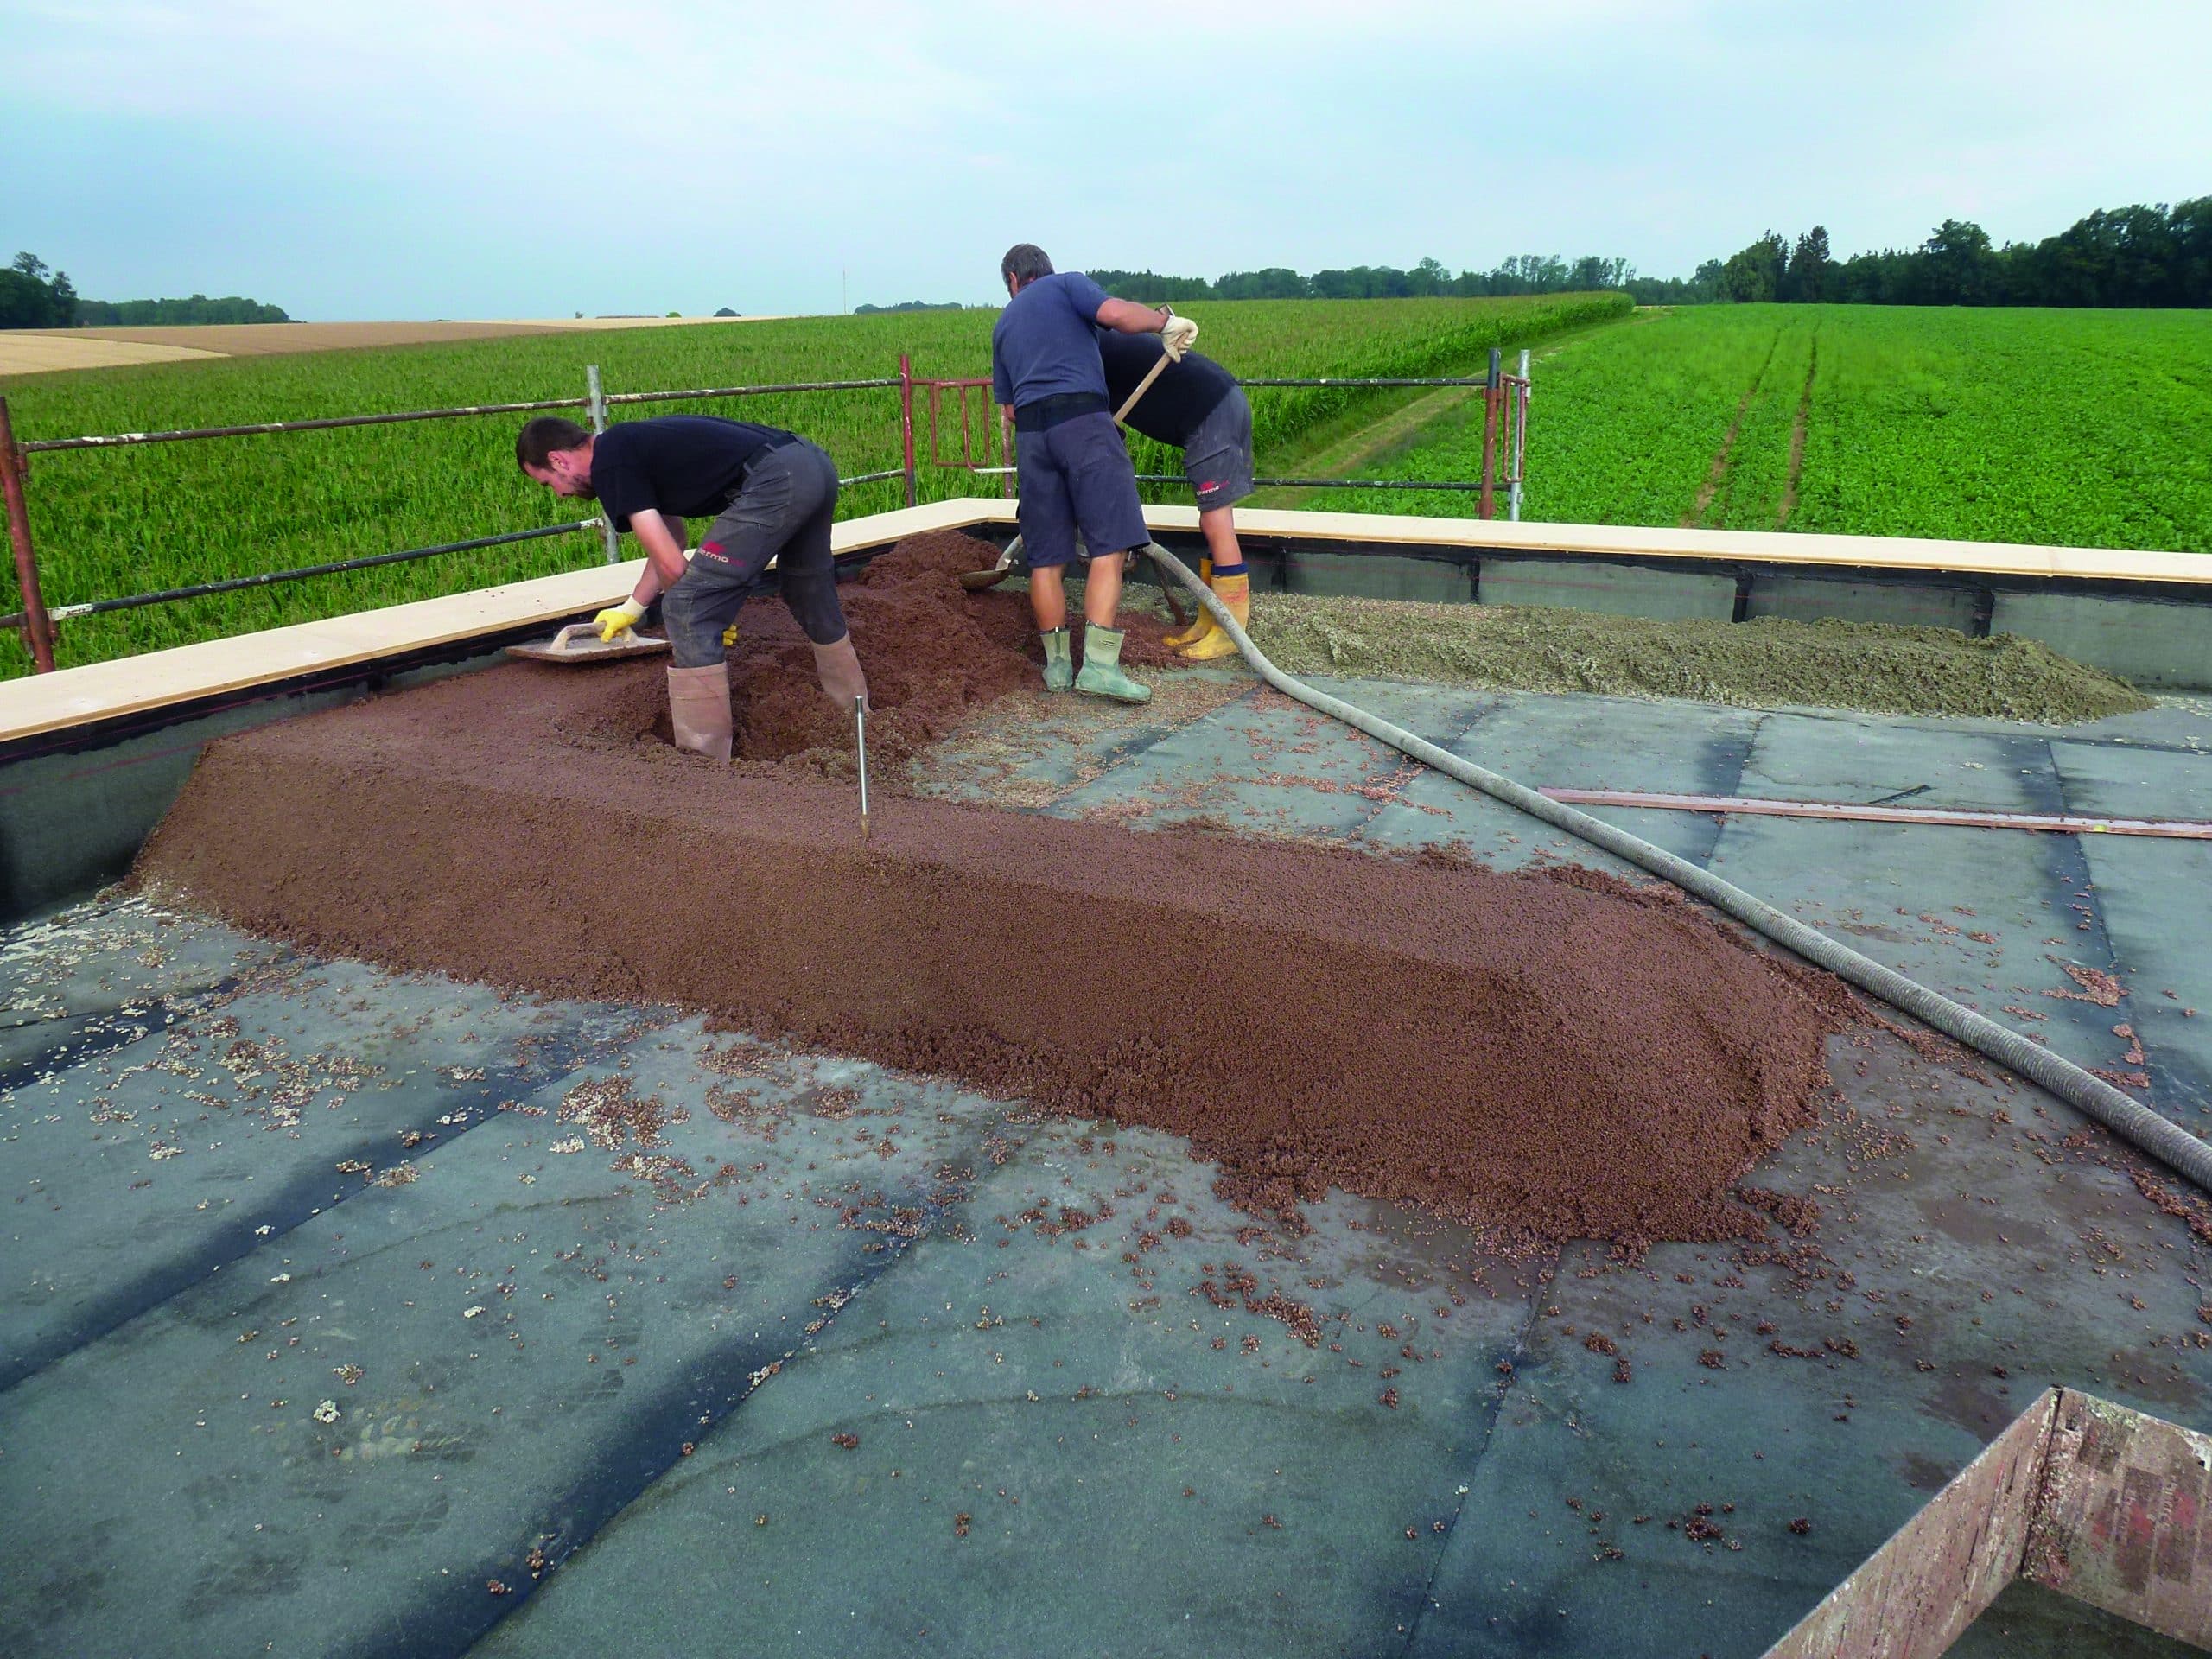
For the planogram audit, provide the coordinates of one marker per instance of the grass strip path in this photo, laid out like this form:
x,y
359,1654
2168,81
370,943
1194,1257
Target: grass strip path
x,y
1717,474
1390,424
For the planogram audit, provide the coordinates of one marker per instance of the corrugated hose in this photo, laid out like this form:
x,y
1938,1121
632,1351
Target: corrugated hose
x,y
2137,1124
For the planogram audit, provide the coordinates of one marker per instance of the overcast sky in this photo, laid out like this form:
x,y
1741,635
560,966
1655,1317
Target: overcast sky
x,y
467,158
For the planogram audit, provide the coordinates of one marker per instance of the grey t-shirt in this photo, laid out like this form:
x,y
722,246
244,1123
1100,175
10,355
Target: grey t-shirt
x,y
1045,344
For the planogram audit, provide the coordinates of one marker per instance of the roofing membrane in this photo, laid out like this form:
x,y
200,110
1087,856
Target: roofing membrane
x,y
351,1313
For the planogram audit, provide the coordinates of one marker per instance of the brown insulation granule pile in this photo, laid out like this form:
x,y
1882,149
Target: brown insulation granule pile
x,y
1553,1052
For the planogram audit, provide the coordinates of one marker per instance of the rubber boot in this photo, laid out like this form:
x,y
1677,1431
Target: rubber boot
x,y
698,711
1235,593
838,668
1201,625
1102,673
1059,672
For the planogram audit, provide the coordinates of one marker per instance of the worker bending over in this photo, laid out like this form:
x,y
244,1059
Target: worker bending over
x,y
771,494
1198,407
1071,466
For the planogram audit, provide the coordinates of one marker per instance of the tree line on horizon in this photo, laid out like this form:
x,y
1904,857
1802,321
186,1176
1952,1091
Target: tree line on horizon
x,y
2125,256
1527,273
33,295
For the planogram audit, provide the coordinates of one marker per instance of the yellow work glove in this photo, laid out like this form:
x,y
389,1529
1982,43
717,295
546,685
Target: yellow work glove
x,y
621,620
1179,336
729,637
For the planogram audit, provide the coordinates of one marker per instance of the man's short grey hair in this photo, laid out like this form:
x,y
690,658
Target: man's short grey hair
x,y
1026,261
546,436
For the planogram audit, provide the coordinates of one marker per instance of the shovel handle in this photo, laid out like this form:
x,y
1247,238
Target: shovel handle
x,y
1168,590
1005,559
1121,418
1121,415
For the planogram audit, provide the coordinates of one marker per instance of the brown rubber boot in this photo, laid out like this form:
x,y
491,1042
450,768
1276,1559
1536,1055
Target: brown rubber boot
x,y
838,667
698,711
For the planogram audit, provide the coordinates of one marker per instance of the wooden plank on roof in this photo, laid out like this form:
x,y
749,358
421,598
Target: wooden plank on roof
x,y
1916,1594
2125,1521
1786,548
157,679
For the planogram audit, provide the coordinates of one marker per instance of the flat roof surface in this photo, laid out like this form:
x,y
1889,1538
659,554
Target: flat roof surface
x,y
917,1372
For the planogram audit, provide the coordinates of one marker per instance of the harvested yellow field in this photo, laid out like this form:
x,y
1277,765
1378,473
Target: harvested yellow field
x,y
570,324
32,351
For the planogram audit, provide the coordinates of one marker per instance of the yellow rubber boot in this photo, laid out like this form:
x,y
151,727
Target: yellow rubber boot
x,y
1201,625
1235,592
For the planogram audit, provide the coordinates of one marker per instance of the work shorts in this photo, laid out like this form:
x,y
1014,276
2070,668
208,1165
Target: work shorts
x,y
1075,478
782,511
1218,458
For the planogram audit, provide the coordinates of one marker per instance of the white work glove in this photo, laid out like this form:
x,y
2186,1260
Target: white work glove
x,y
621,620
1179,336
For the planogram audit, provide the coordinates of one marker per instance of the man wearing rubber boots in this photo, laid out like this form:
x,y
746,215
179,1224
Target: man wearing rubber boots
x,y
1073,469
1198,407
771,494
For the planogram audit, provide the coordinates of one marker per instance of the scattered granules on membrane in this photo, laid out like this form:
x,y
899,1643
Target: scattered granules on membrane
x,y
1553,1052
1761,663
2100,989
610,1110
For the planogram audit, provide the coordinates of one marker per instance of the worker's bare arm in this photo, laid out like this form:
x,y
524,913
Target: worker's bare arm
x,y
664,565
1127,317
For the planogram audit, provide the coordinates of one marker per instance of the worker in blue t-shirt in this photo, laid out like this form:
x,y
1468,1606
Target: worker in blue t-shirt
x,y
1196,406
1071,467
771,494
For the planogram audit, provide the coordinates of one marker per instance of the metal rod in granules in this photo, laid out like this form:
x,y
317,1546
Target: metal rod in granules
x,y
859,729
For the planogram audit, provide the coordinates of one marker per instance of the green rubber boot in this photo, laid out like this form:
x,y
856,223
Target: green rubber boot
x,y
1102,673
1059,672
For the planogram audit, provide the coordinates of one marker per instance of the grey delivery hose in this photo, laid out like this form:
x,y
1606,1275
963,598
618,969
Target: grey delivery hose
x,y
2130,1119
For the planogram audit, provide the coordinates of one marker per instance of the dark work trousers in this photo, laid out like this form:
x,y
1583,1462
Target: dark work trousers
x,y
782,511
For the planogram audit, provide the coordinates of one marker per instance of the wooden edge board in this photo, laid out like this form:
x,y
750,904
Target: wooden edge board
x,y
2125,1522
156,679
2086,1496
1915,1595
1723,546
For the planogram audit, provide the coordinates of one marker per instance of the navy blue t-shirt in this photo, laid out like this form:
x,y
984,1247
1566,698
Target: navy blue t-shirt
x,y
1173,405
1045,344
686,465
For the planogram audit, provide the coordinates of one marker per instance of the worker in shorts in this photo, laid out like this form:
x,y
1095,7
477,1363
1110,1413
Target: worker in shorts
x,y
771,494
1198,407
1071,466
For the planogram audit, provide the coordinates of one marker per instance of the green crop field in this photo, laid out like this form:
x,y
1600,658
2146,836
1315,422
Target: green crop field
x,y
122,521
2078,428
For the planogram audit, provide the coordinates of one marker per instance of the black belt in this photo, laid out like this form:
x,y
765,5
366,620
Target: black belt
x,y
1048,412
781,441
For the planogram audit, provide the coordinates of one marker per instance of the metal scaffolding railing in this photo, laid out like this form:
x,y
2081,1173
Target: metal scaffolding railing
x,y
1504,424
